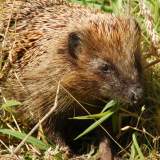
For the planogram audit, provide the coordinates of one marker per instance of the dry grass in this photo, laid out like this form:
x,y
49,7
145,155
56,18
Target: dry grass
x,y
137,129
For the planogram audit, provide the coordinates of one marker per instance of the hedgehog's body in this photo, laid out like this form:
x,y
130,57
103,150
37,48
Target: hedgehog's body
x,y
94,55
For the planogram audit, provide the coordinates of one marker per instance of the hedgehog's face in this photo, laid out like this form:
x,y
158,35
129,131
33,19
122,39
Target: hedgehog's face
x,y
106,60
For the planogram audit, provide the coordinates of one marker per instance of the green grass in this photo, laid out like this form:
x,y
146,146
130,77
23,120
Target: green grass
x,y
140,125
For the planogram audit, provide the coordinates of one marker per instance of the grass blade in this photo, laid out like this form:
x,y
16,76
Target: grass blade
x,y
32,140
92,116
135,143
109,105
98,122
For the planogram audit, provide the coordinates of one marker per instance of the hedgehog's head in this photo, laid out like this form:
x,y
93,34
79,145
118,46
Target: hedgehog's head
x,y
104,52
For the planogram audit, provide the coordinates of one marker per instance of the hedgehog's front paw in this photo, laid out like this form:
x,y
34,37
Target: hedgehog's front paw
x,y
104,152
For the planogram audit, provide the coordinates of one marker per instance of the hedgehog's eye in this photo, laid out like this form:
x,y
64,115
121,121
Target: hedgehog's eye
x,y
106,68
73,42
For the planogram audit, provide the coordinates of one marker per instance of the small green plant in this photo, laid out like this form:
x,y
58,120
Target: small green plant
x,y
107,112
10,105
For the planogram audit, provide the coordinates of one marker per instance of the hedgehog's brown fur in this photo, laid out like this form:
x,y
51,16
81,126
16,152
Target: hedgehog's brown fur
x,y
94,55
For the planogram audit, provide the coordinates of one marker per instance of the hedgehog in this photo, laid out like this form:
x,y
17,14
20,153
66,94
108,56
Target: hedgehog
x,y
94,56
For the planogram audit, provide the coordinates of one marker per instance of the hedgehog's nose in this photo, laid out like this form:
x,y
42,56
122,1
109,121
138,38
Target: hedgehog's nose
x,y
135,94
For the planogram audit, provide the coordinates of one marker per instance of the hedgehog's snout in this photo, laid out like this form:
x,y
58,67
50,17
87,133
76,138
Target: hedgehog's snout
x,y
135,94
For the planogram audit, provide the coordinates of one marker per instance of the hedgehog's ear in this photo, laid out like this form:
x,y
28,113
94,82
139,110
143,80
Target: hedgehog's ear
x,y
73,43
